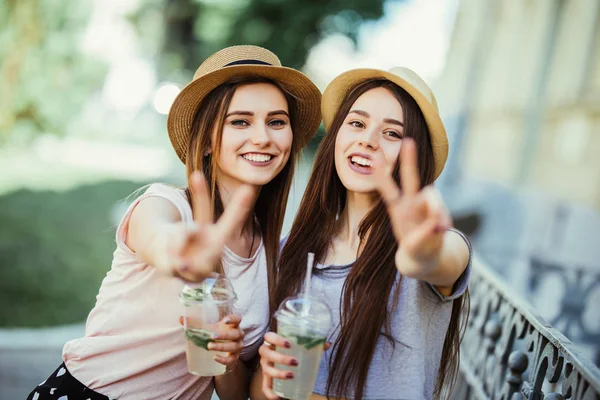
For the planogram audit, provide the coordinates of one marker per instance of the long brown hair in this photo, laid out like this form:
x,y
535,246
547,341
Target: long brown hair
x,y
206,135
373,275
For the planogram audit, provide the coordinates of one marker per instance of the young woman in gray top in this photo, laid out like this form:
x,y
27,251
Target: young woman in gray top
x,y
390,266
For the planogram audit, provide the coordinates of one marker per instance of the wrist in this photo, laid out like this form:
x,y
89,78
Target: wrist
x,y
416,266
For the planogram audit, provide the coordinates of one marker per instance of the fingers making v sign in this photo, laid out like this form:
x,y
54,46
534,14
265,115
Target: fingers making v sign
x,y
199,247
418,216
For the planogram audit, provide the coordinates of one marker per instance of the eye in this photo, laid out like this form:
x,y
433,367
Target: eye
x,y
393,134
357,124
277,123
239,122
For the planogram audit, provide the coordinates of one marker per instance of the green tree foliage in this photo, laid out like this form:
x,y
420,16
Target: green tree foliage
x,y
44,77
194,29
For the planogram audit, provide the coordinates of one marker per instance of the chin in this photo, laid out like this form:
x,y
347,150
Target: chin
x,y
358,186
258,179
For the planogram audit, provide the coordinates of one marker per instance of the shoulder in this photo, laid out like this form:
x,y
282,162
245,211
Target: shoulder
x,y
161,201
165,190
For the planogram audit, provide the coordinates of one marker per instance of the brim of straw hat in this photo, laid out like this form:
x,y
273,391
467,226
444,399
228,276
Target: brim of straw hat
x,y
183,110
340,87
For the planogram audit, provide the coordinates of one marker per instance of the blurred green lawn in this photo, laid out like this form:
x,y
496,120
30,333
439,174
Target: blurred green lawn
x,y
55,249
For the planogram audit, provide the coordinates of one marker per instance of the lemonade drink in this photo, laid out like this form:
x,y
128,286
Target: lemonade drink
x,y
304,322
204,307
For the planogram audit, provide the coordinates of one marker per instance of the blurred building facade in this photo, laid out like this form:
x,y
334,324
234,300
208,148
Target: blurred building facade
x,y
527,75
521,98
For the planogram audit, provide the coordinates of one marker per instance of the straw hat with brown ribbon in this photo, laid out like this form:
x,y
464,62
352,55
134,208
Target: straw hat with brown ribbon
x,y
343,84
240,61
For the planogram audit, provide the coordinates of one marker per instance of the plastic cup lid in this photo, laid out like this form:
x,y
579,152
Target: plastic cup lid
x,y
308,311
216,288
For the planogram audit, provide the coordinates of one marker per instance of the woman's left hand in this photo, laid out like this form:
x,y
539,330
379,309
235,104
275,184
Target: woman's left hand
x,y
418,216
230,340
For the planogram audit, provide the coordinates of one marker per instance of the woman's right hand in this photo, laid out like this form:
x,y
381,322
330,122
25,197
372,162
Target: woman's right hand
x,y
269,357
196,248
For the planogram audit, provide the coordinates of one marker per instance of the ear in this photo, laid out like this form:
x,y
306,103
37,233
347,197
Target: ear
x,y
207,152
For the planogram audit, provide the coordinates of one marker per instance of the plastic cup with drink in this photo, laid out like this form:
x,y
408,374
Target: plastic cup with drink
x,y
305,322
205,305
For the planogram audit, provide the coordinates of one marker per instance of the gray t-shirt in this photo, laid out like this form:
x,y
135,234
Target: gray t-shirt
x,y
419,325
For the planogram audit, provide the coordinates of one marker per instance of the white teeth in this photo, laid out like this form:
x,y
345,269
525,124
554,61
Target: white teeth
x,y
361,161
257,157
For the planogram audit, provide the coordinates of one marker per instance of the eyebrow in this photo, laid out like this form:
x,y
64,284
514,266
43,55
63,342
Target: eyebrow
x,y
360,112
386,120
393,121
250,113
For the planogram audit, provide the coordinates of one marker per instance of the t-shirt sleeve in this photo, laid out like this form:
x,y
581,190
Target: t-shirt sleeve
x,y
463,280
170,193
282,242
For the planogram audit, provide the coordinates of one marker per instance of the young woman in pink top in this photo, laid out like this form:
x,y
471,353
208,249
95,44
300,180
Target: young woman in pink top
x,y
238,128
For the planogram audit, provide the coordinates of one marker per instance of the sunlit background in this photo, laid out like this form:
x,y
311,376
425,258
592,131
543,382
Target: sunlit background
x,y
85,87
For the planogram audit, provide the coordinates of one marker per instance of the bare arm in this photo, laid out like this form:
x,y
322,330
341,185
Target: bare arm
x,y
443,270
191,250
428,250
234,385
256,392
154,226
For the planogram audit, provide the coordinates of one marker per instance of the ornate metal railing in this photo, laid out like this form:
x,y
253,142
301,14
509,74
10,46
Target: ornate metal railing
x,y
510,353
577,315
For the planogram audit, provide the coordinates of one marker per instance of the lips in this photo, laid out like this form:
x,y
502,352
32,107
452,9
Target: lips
x,y
258,159
359,160
360,163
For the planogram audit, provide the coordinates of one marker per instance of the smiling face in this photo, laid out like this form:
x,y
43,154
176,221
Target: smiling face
x,y
372,132
256,139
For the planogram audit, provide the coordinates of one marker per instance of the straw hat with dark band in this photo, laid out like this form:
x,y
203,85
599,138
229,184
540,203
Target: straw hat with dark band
x,y
240,61
341,86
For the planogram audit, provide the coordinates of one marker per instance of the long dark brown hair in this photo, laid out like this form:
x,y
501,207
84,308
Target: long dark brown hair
x,y
206,135
372,276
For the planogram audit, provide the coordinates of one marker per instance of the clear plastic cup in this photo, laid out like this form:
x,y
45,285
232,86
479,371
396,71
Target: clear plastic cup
x,y
305,323
205,305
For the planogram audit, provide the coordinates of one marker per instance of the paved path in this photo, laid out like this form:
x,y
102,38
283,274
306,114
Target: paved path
x,y
28,356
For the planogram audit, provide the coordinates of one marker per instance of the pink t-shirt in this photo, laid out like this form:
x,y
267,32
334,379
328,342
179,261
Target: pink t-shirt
x,y
134,346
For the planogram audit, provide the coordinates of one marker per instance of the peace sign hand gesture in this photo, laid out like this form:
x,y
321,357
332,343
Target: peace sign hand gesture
x,y
419,218
197,247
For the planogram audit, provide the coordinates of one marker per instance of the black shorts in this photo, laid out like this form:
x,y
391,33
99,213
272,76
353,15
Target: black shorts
x,y
61,385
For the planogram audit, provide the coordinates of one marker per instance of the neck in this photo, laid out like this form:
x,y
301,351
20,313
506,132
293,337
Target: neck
x,y
356,208
227,188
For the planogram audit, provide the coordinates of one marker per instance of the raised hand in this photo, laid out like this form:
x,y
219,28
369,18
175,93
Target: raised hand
x,y
197,247
418,216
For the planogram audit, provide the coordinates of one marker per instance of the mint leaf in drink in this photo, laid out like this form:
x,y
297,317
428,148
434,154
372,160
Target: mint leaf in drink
x,y
309,341
192,294
200,339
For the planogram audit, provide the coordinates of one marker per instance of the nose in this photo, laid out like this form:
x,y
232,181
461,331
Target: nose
x,y
369,139
260,136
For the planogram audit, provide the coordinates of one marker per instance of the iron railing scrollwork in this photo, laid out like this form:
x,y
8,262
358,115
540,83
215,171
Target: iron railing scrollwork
x,y
510,353
579,285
